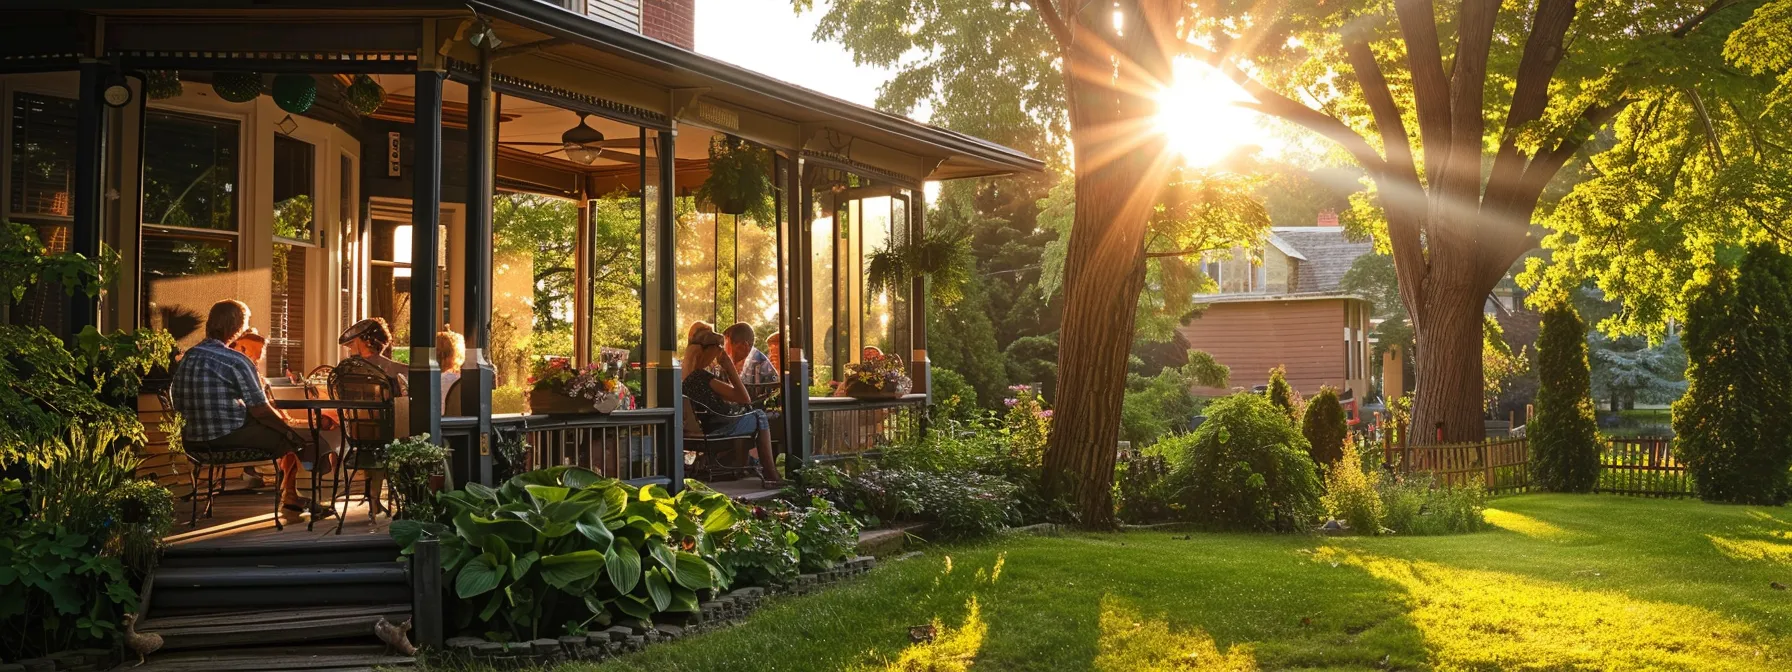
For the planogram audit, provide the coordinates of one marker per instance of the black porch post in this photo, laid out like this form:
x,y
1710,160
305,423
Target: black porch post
x,y
90,131
920,368
796,341
670,345
426,207
478,375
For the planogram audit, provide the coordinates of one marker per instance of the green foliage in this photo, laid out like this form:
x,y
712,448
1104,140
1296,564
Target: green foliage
x,y
1282,395
1033,360
1501,366
24,263
1564,435
739,181
58,591
412,461
1324,428
1157,406
1414,504
1350,493
945,260
825,536
1245,468
962,504
1730,426
1142,492
953,397
141,512
761,550
1630,369
961,338
565,544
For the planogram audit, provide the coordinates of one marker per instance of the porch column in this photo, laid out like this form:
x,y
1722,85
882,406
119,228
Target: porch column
x,y
796,340
88,199
426,208
663,375
919,367
478,375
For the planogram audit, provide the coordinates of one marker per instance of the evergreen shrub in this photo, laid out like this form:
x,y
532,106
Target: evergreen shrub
x,y
1564,434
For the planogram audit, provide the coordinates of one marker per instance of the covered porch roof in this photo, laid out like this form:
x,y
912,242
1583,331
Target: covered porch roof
x,y
546,45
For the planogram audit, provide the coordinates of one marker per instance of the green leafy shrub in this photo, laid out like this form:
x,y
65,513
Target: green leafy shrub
x,y
960,504
142,513
825,535
761,551
412,461
1283,395
1350,493
1142,493
1564,435
1245,468
953,397
1414,504
1731,425
565,545
1323,426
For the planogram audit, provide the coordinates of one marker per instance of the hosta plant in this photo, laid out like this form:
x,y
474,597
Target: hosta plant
x,y
566,545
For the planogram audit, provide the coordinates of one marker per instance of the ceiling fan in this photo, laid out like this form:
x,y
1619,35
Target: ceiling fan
x,y
583,144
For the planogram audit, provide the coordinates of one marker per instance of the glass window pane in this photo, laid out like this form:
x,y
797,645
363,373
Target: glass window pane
x,y
294,175
43,150
189,171
534,240
821,298
695,246
286,321
615,318
178,287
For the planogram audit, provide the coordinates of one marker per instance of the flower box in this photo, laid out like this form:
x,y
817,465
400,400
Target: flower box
x,y
552,402
862,390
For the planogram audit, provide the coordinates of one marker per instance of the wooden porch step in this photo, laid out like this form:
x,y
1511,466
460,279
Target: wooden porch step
x,y
194,590
272,626
274,659
283,551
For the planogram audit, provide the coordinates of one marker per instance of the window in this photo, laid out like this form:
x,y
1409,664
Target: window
x,y
389,276
41,176
860,219
190,224
294,243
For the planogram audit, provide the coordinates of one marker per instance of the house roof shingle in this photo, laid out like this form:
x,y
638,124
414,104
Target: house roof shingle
x,y
1329,254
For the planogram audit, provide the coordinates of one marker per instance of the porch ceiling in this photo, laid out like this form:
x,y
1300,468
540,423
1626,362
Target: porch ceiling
x,y
578,39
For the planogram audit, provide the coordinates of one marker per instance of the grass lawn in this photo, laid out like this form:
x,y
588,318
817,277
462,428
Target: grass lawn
x,y
1564,582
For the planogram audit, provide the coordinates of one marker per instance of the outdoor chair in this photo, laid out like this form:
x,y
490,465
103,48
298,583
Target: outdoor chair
x,y
321,371
365,431
451,400
215,461
709,448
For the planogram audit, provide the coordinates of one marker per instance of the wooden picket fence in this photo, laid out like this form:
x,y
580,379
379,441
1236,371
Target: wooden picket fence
x,y
1643,466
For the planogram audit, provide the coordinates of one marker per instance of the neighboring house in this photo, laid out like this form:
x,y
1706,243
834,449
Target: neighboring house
x,y
1281,306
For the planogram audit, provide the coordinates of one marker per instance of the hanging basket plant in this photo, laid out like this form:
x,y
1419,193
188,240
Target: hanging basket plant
x,y
945,260
739,181
295,93
365,95
237,87
161,84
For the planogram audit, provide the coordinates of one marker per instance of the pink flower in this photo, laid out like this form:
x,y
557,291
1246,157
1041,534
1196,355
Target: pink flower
x,y
1044,414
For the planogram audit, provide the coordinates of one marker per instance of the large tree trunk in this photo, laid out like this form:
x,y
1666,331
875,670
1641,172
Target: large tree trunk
x,y
1449,391
1120,167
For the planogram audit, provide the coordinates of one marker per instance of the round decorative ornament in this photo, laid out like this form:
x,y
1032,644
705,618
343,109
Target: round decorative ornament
x,y
161,84
116,94
365,95
295,93
237,87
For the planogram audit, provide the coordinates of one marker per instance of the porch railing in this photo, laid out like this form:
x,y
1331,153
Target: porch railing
x,y
633,445
842,427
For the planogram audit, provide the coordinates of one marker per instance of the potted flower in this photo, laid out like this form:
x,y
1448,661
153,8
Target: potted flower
x,y
556,386
419,469
738,182
881,378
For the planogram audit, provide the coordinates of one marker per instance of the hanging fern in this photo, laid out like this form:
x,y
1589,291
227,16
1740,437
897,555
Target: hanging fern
x,y
739,181
945,260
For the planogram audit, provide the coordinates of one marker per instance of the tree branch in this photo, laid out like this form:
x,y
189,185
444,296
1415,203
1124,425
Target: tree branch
x,y
1462,170
1543,51
1698,105
1402,196
1430,86
1686,28
1054,21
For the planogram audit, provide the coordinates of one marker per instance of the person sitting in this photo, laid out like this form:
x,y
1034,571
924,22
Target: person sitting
x,y
725,396
754,367
774,350
451,351
371,339
219,393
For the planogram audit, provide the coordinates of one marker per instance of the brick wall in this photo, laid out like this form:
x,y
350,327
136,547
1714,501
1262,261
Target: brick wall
x,y
672,21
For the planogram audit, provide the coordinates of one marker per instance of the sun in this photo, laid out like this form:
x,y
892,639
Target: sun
x,y
1201,115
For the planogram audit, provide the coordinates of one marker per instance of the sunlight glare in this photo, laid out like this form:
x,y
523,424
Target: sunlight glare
x,y
1201,115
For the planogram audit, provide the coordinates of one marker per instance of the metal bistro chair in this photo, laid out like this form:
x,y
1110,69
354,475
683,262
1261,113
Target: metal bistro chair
x,y
320,371
215,461
365,431
710,448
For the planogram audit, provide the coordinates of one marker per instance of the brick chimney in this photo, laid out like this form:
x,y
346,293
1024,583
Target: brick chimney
x,y
1327,218
671,21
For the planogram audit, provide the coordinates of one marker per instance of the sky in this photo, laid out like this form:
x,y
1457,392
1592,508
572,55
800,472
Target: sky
x,y
768,37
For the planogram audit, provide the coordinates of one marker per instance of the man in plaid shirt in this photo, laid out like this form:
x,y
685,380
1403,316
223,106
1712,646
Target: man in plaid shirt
x,y
754,367
219,393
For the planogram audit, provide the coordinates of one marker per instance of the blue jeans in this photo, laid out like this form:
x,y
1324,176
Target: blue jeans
x,y
752,422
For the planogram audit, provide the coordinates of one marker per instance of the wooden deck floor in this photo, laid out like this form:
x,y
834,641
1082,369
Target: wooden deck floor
x,y
247,517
